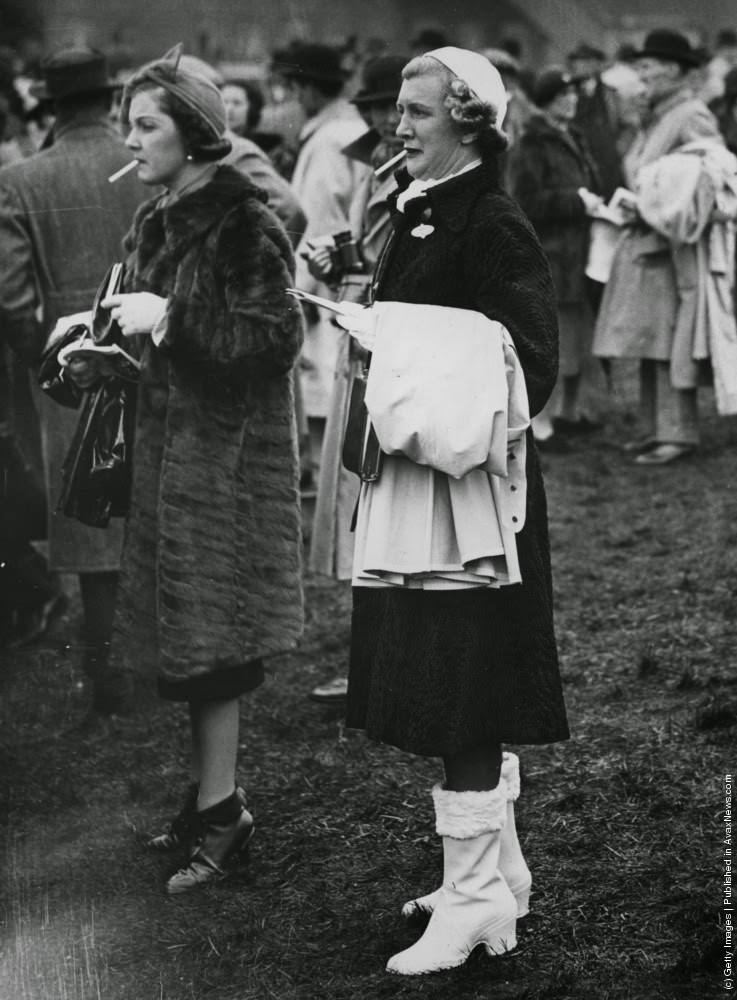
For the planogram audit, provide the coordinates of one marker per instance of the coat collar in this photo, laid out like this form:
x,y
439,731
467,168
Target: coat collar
x,y
661,108
363,147
187,219
450,201
541,125
87,124
336,110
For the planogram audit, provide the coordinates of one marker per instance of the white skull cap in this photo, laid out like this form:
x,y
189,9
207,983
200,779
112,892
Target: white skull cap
x,y
478,73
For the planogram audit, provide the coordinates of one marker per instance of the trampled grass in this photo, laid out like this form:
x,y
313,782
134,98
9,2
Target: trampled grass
x,y
622,825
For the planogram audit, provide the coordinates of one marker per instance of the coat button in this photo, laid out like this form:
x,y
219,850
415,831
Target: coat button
x,y
513,489
514,519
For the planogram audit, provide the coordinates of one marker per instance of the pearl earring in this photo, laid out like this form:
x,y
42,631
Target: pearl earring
x,y
189,156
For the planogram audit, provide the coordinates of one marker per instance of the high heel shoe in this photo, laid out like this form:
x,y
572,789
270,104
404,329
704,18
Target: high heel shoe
x,y
181,832
181,829
223,832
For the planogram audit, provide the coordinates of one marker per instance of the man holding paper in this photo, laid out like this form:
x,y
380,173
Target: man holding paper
x,y
664,301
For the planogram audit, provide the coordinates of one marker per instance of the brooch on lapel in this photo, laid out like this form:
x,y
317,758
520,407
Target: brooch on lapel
x,y
423,230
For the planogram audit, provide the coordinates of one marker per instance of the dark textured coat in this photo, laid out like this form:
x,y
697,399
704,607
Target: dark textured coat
x,y
548,166
211,571
607,122
61,227
435,672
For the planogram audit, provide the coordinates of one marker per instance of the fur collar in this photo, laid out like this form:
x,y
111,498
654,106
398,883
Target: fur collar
x,y
186,220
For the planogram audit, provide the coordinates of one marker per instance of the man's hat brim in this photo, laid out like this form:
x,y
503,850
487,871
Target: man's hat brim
x,y
365,97
39,91
690,59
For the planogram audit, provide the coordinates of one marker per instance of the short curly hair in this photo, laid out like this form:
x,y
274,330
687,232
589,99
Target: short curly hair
x,y
197,137
467,112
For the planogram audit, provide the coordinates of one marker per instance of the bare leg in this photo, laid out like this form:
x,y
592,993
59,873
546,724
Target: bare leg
x,y
475,770
214,749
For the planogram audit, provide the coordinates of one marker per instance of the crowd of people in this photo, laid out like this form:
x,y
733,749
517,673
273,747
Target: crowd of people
x,y
382,293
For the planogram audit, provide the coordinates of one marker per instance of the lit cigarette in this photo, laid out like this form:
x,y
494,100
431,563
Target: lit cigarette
x,y
122,172
389,163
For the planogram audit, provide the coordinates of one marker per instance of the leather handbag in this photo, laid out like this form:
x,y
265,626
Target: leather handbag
x,y
97,472
104,332
361,449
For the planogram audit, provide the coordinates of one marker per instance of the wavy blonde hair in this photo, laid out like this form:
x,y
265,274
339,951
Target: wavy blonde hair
x,y
468,112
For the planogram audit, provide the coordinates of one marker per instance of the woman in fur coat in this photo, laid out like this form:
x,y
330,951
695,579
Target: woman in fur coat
x,y
445,662
210,581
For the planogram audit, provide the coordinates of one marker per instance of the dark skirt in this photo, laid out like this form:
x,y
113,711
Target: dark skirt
x,y
438,672
219,685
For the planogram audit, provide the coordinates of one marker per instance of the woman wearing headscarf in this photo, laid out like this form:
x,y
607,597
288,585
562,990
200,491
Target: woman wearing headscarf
x,y
210,578
453,648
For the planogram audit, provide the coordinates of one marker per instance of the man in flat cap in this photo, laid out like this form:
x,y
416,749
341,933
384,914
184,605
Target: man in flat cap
x,y
61,226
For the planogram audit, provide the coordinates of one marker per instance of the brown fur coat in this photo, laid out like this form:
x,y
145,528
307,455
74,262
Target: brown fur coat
x,y
211,572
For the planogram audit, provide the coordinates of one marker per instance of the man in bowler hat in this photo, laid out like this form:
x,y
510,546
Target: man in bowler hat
x,y
646,310
61,226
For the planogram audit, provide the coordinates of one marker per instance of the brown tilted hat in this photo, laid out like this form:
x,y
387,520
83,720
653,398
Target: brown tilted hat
x,y
191,88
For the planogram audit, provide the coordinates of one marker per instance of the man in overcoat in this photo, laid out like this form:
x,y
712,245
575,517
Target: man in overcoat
x,y
61,226
325,181
652,278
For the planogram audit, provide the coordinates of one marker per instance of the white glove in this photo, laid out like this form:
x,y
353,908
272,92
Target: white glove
x,y
136,312
360,323
590,200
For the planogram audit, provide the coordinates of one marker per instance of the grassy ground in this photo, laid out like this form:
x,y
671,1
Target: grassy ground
x,y
621,826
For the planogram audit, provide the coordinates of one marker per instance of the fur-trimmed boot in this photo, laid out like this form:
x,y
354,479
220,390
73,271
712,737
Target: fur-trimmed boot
x,y
475,905
512,864
223,831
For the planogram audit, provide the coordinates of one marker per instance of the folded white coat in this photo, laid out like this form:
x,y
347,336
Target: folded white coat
x,y
447,398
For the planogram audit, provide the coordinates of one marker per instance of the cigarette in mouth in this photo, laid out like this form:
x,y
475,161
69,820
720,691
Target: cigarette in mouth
x,y
122,172
390,163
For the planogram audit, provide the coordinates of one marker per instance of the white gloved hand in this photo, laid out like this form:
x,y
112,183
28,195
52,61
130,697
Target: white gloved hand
x,y
360,323
135,312
590,200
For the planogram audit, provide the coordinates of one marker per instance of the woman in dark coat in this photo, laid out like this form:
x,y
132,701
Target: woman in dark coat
x,y
454,673
555,181
210,580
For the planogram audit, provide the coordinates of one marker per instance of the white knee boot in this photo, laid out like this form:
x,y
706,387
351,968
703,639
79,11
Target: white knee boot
x,y
474,905
512,864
